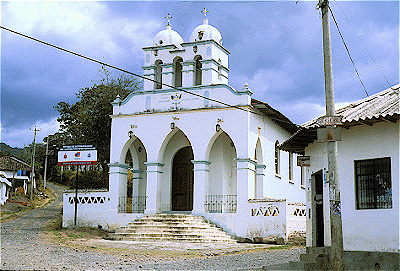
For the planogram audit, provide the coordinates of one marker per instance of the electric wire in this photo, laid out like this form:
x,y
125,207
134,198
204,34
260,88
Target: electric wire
x,y
140,76
320,49
376,65
348,52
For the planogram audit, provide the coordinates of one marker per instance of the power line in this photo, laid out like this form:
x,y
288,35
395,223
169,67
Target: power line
x,y
140,76
387,81
347,49
316,46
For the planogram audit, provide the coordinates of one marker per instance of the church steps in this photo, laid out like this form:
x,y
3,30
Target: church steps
x,y
172,227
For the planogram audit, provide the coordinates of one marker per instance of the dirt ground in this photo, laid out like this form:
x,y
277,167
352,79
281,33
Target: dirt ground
x,y
91,239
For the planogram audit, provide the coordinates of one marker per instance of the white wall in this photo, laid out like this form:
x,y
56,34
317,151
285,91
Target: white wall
x,y
275,186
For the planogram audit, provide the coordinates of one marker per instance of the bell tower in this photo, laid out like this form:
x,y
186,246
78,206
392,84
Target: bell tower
x,y
201,61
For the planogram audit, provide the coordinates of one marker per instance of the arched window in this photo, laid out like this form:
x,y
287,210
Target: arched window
x,y
178,72
277,158
198,72
158,75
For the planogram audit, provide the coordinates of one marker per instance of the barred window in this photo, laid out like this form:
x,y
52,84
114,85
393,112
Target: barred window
x,y
277,158
373,184
290,172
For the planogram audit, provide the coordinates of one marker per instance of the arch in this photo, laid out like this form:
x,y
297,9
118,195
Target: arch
x,y
198,76
177,71
277,156
222,179
173,144
132,185
167,139
258,174
158,74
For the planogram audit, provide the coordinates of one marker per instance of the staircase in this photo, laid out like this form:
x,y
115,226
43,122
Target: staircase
x,y
316,258
172,227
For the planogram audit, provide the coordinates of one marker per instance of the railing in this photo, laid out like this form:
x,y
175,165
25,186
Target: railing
x,y
136,204
220,203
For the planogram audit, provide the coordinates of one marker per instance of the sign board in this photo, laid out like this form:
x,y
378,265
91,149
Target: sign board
x,y
330,121
303,161
329,134
77,155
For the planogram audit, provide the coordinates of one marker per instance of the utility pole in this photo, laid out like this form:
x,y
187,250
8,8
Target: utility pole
x,y
336,253
33,161
45,163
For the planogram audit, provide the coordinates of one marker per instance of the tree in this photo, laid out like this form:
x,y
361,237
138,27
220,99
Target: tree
x,y
88,120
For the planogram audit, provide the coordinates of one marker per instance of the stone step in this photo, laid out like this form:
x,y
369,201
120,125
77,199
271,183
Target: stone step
x,y
308,258
197,235
155,234
174,239
314,261
171,219
169,231
172,227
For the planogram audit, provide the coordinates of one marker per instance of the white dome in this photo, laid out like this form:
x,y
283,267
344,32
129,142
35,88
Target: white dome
x,y
206,32
168,37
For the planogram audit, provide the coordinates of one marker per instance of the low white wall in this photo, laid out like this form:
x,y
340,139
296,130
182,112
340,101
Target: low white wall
x,y
262,218
91,211
265,217
295,218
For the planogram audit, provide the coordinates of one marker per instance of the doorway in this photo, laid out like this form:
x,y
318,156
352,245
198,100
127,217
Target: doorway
x,y
318,206
182,180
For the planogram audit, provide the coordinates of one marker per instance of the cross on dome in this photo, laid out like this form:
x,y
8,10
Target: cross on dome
x,y
204,11
169,17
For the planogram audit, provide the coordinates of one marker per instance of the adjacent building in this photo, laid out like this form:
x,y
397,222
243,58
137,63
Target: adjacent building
x,y
368,157
14,175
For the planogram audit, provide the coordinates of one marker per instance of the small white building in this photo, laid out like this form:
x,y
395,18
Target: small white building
x,y
368,161
197,145
5,187
14,174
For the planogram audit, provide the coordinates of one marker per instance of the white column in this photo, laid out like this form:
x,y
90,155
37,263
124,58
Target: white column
x,y
188,73
118,175
245,175
153,194
200,182
136,182
167,74
148,73
259,189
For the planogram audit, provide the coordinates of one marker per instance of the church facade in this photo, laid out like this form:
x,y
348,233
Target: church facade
x,y
191,143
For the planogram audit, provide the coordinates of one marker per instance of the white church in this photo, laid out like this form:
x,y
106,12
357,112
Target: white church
x,y
191,144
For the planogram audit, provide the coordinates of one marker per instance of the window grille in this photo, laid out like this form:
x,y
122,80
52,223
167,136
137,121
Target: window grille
x,y
373,184
220,203
302,176
290,173
277,158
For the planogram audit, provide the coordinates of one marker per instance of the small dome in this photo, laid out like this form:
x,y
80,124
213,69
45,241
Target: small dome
x,y
168,37
206,32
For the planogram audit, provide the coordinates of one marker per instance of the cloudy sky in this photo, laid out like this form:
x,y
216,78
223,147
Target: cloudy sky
x,y
276,47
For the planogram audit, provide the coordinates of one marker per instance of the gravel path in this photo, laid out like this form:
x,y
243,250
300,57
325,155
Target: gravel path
x,y
22,248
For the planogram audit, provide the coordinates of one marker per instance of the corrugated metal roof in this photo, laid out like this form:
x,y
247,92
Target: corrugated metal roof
x,y
383,106
11,163
275,115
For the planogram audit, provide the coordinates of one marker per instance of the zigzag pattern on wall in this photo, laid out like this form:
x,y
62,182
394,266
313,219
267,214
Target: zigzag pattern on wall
x,y
299,212
87,200
265,211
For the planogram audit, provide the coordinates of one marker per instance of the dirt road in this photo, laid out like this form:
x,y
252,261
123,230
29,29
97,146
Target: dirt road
x,y
23,248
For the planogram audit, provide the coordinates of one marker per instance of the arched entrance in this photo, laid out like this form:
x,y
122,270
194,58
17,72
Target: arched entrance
x,y
182,180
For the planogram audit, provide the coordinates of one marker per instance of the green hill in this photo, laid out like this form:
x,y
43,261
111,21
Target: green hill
x,y
7,150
